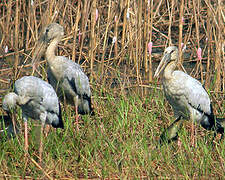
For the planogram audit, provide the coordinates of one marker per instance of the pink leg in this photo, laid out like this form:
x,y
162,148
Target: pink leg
x,y
77,117
193,134
25,137
41,144
47,129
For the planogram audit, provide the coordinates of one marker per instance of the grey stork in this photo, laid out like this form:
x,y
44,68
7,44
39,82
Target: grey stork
x,y
38,100
66,76
187,97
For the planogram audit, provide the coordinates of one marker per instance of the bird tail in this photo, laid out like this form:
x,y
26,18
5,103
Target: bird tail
x,y
59,123
86,106
92,113
211,117
219,123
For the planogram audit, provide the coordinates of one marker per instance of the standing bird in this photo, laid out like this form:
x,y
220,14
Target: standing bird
x,y
66,76
186,95
38,100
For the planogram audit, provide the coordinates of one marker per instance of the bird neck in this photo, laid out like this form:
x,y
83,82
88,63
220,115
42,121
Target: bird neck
x,y
50,52
168,71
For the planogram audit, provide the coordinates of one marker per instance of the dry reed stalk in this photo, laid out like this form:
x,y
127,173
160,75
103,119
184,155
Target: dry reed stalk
x,y
93,39
84,19
8,16
196,16
50,10
105,40
150,40
171,12
158,6
132,36
59,6
219,40
145,35
116,22
16,45
209,42
138,47
28,11
181,20
75,28
124,7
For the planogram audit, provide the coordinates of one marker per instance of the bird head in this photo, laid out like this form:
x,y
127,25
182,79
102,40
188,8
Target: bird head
x,y
9,102
170,54
50,32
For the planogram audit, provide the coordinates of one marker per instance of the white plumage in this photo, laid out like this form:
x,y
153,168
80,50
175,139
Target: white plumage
x,y
185,94
38,101
187,97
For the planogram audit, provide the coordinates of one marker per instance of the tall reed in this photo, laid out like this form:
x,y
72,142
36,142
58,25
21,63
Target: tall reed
x,y
119,36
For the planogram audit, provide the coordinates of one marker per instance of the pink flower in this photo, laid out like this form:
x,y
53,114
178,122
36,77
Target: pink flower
x,y
114,40
6,49
199,53
115,19
79,37
96,15
182,19
183,47
150,47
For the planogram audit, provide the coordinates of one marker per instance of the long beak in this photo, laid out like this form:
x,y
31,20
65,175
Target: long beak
x,y
162,64
38,53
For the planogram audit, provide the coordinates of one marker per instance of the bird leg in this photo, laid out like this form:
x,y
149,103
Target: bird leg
x,y
76,110
193,132
43,117
47,129
41,143
25,137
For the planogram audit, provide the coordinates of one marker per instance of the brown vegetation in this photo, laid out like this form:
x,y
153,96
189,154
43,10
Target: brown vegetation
x,y
118,35
110,40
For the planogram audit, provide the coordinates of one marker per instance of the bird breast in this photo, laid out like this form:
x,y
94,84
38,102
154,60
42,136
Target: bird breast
x,y
176,98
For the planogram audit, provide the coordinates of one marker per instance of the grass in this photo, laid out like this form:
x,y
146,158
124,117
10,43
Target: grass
x,y
120,141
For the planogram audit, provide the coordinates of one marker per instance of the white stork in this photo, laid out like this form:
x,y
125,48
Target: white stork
x,y
66,76
38,101
186,95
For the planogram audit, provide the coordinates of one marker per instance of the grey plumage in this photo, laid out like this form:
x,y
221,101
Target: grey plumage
x,y
74,83
66,76
185,94
37,99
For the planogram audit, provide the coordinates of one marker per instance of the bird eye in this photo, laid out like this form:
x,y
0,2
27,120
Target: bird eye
x,y
47,30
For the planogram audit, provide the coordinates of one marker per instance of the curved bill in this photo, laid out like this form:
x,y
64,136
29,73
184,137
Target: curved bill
x,y
38,53
162,64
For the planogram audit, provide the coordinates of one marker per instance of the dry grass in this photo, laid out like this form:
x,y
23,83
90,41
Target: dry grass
x,y
110,40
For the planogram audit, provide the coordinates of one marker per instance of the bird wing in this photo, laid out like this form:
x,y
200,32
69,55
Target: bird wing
x,y
37,91
194,92
50,101
28,89
77,79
